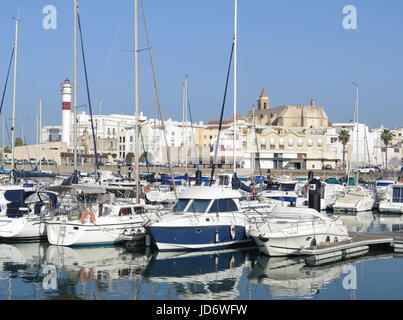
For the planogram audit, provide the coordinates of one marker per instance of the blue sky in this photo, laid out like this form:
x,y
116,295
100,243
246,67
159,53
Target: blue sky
x,y
296,49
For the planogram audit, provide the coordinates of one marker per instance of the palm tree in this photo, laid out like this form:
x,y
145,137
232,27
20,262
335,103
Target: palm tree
x,y
386,137
344,138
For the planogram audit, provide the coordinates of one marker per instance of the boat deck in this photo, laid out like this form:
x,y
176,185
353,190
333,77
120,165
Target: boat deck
x,y
359,244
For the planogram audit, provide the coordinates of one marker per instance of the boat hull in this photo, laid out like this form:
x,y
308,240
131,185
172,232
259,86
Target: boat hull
x,y
198,237
90,234
22,229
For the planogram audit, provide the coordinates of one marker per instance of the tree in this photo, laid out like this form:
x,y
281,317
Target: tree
x,y
386,137
130,157
344,138
146,157
19,142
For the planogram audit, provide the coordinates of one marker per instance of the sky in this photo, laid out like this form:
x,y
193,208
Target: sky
x,y
297,49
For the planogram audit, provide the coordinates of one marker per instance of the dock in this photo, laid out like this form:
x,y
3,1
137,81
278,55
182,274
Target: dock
x,y
359,244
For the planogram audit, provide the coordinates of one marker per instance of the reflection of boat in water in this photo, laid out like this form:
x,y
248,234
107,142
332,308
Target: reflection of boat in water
x,y
391,222
199,275
358,222
289,277
102,263
293,278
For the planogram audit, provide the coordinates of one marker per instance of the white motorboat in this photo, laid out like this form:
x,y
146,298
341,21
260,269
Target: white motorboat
x,y
393,202
383,189
288,230
91,216
287,192
24,212
355,199
203,218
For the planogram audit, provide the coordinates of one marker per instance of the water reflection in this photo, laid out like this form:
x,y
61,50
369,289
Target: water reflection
x,y
199,275
291,278
359,222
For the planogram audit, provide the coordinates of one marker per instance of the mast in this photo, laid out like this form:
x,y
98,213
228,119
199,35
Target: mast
x,y
4,123
17,25
75,86
186,125
356,124
235,80
136,72
40,138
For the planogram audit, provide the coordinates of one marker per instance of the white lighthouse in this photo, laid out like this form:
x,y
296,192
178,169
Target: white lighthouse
x,y
67,91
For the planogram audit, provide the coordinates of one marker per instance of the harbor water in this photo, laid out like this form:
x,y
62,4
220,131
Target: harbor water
x,y
39,271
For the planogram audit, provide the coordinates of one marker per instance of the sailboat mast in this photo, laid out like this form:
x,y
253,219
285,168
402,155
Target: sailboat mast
x,y
17,25
356,125
75,86
186,125
136,72
40,138
235,80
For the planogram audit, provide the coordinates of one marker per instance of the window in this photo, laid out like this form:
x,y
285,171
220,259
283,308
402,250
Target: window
x,y
180,205
223,205
397,195
199,206
106,212
125,212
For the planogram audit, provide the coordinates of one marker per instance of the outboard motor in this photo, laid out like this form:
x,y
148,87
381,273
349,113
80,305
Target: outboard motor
x,y
314,195
236,183
198,179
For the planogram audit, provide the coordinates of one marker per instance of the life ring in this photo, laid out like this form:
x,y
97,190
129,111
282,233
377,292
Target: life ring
x,y
85,214
147,189
83,276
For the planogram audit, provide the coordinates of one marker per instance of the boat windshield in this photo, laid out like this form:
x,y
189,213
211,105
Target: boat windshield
x,y
180,205
223,205
281,187
199,206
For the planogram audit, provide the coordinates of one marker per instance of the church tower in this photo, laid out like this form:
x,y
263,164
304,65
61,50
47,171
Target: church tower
x,y
263,102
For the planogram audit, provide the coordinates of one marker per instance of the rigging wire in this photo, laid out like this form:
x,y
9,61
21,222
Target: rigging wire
x,y
221,116
89,100
158,101
6,82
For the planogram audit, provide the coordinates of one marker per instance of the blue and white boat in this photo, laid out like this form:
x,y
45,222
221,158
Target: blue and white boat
x,y
24,212
203,218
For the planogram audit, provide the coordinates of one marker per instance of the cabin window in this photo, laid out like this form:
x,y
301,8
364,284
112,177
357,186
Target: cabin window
x,y
105,212
223,205
138,210
199,206
180,205
125,212
398,195
288,187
